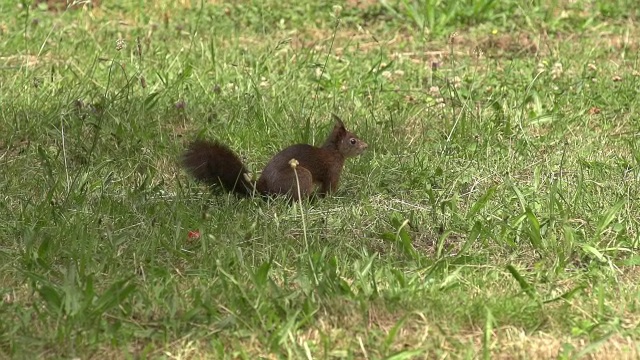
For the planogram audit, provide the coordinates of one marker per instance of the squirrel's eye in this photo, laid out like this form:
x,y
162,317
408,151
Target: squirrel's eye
x,y
353,141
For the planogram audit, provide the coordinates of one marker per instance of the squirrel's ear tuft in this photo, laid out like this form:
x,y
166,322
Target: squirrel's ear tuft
x,y
338,121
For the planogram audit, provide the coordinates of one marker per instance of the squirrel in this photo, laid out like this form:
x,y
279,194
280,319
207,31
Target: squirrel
x,y
214,164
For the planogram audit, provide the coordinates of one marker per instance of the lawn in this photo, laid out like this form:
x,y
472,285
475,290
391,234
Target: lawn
x,y
495,213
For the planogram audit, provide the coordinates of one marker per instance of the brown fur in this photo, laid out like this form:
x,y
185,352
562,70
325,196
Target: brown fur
x,y
214,163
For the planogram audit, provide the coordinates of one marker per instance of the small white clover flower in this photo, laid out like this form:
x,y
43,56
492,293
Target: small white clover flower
x,y
120,44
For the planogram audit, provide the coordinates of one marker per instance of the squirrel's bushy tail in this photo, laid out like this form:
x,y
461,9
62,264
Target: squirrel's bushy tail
x,y
215,164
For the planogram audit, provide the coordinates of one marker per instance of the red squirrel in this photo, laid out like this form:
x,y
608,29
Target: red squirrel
x,y
215,164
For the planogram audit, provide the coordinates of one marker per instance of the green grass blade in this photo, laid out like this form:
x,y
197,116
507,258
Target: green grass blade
x,y
524,284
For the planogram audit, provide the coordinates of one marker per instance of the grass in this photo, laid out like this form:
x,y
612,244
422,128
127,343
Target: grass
x,y
494,214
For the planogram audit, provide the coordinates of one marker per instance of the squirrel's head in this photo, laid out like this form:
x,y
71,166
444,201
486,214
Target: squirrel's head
x,y
348,144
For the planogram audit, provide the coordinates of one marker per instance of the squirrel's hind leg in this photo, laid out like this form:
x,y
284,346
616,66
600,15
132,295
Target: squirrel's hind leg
x,y
304,180
285,182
